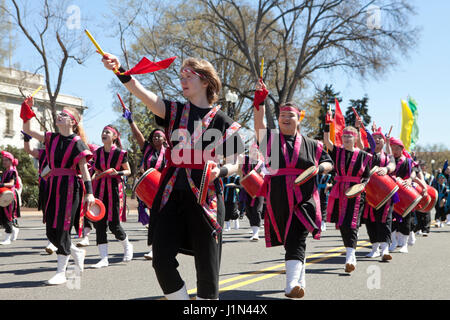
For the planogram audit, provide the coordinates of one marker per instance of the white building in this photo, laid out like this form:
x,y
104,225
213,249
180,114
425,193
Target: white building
x,y
14,85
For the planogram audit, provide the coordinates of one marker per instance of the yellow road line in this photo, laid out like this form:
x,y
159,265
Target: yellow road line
x,y
316,258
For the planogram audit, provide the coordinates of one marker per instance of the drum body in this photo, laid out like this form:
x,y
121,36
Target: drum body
x,y
425,200
433,195
96,212
147,186
206,179
409,199
252,183
6,197
380,189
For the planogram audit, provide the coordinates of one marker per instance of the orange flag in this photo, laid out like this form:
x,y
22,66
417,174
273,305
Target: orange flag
x,y
339,124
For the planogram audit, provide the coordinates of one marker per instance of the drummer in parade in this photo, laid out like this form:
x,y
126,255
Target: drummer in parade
x,y
43,169
352,167
111,164
293,211
379,221
10,209
67,154
153,156
189,205
401,226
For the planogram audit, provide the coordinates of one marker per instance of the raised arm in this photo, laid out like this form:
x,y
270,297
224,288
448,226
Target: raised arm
x,y
153,102
259,110
326,134
28,103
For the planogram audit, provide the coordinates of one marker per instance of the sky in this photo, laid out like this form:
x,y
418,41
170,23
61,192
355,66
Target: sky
x,y
424,76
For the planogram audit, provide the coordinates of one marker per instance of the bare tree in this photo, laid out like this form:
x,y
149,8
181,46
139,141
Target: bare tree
x,y
54,42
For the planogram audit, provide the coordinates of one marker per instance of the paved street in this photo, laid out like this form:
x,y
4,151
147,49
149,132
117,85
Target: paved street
x,y
249,270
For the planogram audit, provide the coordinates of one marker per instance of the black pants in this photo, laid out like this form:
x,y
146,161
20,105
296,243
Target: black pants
x,y
423,222
254,213
59,237
182,224
5,222
349,236
379,231
114,226
296,241
403,227
440,214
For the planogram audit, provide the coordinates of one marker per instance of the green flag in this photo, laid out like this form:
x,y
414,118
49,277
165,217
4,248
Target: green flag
x,y
415,129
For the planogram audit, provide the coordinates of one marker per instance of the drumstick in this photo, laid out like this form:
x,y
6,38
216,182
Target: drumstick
x,y
262,68
99,50
94,42
357,116
121,101
36,91
389,134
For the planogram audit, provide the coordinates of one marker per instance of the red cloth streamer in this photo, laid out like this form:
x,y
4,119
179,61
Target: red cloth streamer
x,y
26,113
339,122
147,66
260,96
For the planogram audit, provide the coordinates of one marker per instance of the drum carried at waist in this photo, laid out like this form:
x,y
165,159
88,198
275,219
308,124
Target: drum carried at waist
x,y
355,190
46,173
306,175
425,200
147,186
433,196
409,199
6,196
252,183
96,212
380,189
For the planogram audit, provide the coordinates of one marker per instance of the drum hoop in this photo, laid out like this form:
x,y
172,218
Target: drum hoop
x,y
355,195
96,218
307,177
387,198
412,206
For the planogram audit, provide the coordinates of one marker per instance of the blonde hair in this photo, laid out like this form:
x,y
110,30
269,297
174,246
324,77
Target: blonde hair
x,y
352,129
78,128
209,75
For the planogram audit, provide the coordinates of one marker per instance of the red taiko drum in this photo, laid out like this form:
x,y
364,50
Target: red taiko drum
x,y
433,195
96,212
425,200
206,179
379,189
147,186
252,183
6,196
409,199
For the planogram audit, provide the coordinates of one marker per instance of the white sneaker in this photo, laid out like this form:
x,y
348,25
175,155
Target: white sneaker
x,y
236,224
385,256
375,253
50,248
255,234
394,241
227,226
412,238
350,260
7,240
294,270
78,256
103,250
15,233
60,276
403,243
323,227
149,256
127,250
